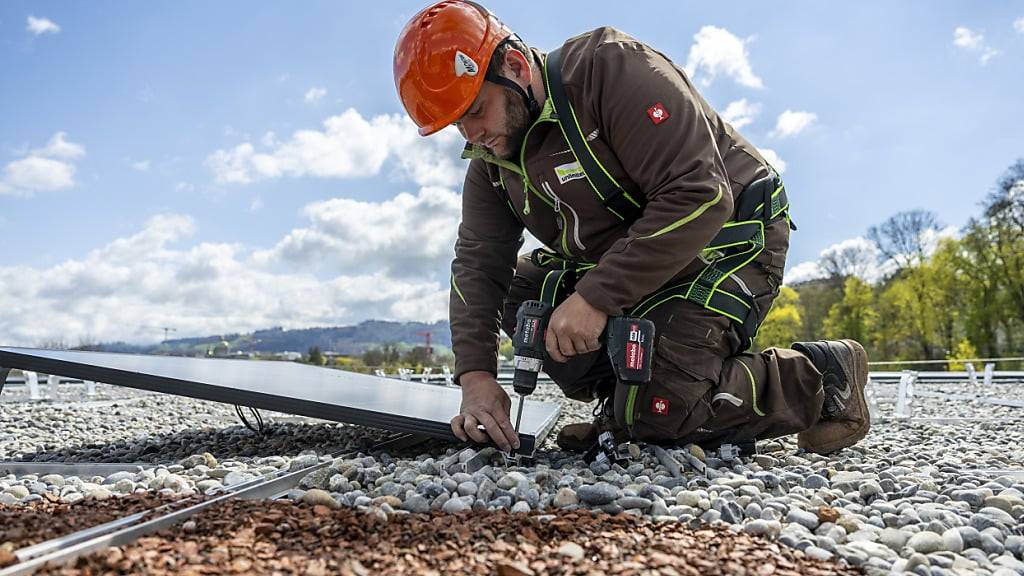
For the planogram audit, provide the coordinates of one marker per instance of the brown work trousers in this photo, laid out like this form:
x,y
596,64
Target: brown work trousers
x,y
704,390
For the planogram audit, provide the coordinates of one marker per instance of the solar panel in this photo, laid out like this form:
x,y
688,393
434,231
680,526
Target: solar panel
x,y
301,389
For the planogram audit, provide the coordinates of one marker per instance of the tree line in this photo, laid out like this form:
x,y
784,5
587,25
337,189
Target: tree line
x,y
908,293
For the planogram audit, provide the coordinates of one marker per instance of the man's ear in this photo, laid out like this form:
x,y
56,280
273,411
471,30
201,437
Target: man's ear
x,y
518,66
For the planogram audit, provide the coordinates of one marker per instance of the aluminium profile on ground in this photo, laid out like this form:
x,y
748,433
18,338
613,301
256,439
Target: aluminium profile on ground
x,y
299,389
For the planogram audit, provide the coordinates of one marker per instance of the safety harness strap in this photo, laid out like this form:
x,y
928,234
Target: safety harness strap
x,y
615,199
736,245
730,305
557,283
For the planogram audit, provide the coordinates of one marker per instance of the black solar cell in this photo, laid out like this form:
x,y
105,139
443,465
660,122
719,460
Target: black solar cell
x,y
301,389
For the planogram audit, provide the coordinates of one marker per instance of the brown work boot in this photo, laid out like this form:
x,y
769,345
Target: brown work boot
x,y
581,436
844,415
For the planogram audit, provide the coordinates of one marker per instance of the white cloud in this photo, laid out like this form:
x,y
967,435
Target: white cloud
x,y
39,26
256,205
858,257
1018,24
774,159
36,174
141,165
315,94
717,51
59,147
349,146
132,286
974,42
791,123
803,272
45,169
968,39
740,113
406,236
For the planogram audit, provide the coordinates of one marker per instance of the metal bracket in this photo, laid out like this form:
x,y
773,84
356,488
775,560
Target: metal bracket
x,y
3,377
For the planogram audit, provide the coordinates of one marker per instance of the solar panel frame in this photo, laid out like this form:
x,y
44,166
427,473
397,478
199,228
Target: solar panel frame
x,y
75,364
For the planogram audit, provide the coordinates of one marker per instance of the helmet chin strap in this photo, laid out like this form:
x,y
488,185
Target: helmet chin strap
x,y
532,106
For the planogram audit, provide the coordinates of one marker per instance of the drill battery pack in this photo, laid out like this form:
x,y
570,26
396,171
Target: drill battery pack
x,y
630,344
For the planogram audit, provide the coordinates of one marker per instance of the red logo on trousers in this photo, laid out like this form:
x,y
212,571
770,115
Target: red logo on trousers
x,y
659,406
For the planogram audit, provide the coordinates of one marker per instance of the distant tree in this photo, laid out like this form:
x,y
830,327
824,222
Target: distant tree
x,y
387,355
984,297
903,237
854,316
945,292
907,304
373,357
53,344
816,299
417,356
1004,209
964,351
783,324
315,357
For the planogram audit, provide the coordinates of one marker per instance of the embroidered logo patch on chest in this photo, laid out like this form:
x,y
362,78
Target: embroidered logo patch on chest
x,y
657,113
570,171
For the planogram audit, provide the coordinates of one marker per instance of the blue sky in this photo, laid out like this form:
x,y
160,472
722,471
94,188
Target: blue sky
x,y
220,167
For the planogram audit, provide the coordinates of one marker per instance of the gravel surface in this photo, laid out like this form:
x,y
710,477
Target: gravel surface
x,y
22,526
922,497
282,538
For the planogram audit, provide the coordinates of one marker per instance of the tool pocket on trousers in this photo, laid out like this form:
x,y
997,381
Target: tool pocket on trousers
x,y
674,403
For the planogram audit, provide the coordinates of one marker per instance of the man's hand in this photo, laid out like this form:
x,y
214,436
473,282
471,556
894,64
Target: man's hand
x,y
574,328
484,402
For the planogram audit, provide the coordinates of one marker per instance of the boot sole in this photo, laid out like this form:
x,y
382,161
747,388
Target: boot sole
x,y
860,379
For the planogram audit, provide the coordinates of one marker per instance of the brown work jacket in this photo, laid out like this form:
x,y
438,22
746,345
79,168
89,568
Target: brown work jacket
x,y
655,135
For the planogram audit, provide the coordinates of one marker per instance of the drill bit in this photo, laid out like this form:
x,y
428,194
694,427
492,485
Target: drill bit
x,y
519,412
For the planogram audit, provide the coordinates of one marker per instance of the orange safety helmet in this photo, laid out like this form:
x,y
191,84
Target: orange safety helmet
x,y
441,58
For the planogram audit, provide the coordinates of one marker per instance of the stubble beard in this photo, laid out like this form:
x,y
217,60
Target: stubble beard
x,y
517,122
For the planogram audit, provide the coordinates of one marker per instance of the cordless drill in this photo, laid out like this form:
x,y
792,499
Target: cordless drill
x,y
630,343
528,345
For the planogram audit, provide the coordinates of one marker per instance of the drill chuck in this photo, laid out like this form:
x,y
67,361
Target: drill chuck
x,y
524,379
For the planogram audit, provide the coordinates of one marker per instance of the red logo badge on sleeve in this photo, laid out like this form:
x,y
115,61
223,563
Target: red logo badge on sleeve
x,y
659,406
657,113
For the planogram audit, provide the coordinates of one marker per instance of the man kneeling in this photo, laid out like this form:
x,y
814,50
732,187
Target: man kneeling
x,y
650,205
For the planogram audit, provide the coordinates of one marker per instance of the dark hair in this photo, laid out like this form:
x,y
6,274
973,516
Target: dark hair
x,y
498,56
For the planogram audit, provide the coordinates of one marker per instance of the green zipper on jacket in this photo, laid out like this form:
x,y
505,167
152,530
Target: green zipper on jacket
x,y
472,152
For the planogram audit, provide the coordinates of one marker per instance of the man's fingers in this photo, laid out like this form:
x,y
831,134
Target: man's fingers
x,y
457,424
510,431
559,345
551,344
495,432
565,346
580,343
472,429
